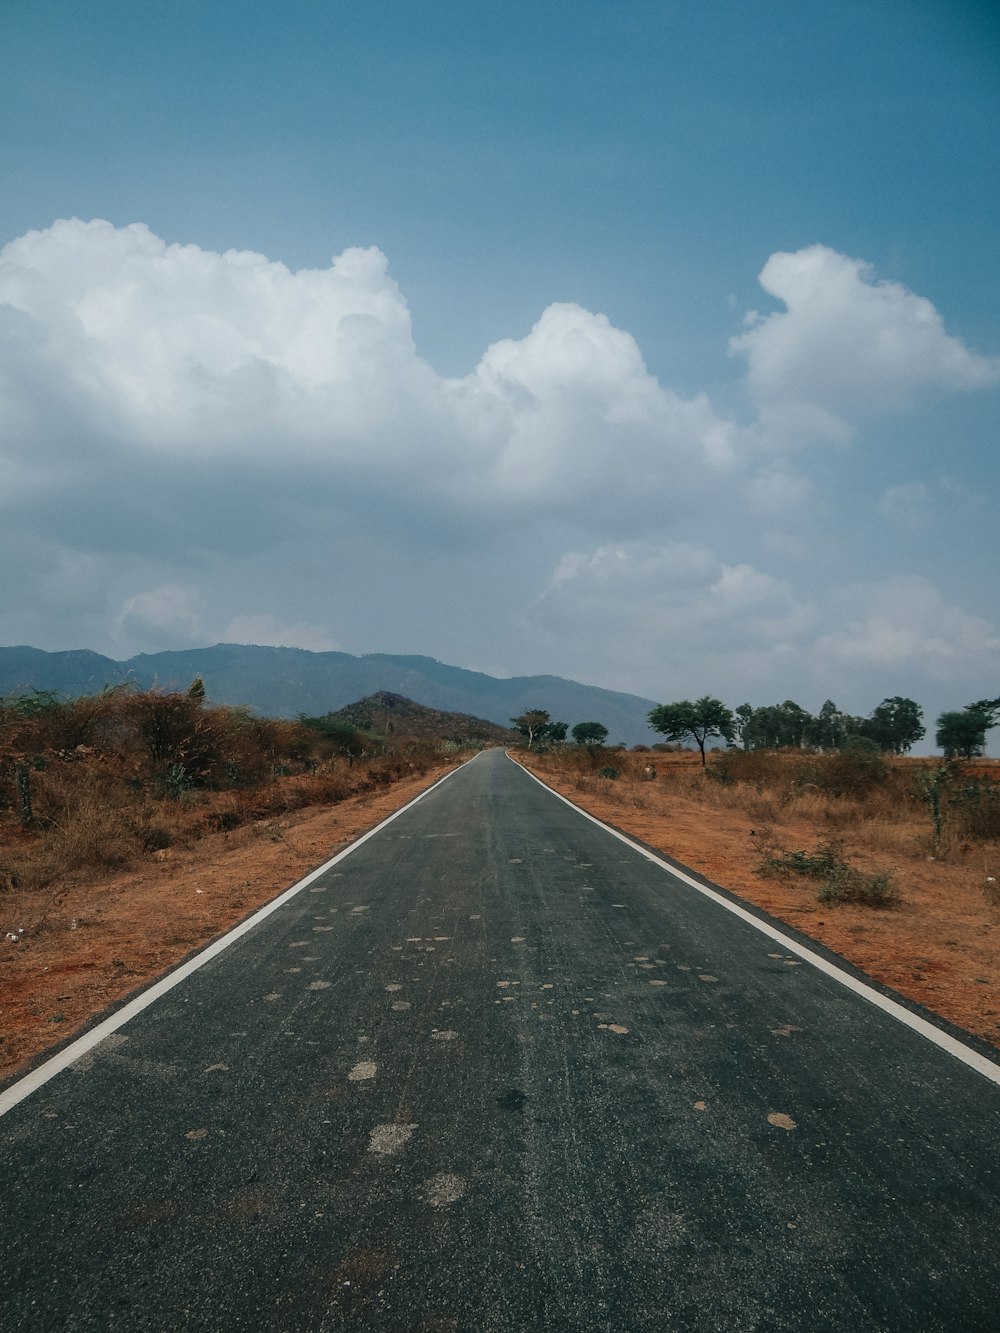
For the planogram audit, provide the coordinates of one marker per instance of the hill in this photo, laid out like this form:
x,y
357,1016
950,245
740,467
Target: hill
x,y
391,715
283,682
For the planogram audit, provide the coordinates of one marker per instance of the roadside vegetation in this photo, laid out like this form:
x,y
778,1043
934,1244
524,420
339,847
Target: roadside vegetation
x,y
943,809
93,785
845,779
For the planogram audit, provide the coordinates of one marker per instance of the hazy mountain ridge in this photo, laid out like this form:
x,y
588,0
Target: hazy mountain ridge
x,y
282,682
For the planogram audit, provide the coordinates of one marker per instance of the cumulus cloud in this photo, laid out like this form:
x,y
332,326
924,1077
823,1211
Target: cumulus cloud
x,y
668,604
123,353
178,424
674,620
132,348
676,583
847,343
905,622
168,614
777,490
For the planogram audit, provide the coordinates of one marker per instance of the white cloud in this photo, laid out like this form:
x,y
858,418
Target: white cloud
x,y
123,352
171,612
906,623
776,490
177,425
648,609
847,343
131,349
674,620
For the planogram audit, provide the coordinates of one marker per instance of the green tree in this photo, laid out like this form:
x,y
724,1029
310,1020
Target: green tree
x,y
701,720
531,724
342,736
829,729
963,733
556,731
895,725
776,726
590,733
741,720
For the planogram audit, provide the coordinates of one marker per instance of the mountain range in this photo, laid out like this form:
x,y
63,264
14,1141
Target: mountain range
x,y
283,682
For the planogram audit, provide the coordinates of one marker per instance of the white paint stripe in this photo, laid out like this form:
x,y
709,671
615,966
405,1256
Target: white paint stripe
x,y
980,1063
24,1087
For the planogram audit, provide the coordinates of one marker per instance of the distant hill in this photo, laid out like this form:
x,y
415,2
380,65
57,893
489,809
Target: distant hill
x,y
282,682
392,715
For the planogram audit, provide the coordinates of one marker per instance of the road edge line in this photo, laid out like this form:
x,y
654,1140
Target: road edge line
x,y
23,1087
982,1064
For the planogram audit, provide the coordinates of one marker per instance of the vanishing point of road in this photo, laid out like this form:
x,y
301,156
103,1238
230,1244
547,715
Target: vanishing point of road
x,y
495,1070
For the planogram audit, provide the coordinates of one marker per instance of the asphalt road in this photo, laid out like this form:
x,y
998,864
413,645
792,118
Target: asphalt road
x,y
494,1071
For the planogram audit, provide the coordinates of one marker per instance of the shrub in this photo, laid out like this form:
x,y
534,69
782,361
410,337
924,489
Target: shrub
x,y
856,770
839,881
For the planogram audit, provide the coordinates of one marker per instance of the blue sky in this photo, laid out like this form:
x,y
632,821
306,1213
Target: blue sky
x,y
667,499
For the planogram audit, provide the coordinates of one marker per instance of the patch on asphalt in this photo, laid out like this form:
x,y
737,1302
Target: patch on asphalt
x,y
444,1189
780,1120
387,1140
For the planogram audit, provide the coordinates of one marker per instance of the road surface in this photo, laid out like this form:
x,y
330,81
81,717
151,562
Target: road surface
x,y
495,1071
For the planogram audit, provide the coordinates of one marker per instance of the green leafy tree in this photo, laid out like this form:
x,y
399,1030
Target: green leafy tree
x,y
701,720
776,726
895,725
829,729
556,732
342,736
741,720
531,724
962,733
590,733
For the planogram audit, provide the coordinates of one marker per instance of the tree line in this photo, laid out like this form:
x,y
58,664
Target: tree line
x,y
893,727
536,725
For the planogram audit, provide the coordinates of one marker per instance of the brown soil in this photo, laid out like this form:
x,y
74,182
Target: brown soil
x,y
938,946
86,946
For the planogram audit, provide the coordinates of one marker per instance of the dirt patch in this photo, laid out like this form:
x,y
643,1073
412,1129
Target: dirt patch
x,y
938,946
84,947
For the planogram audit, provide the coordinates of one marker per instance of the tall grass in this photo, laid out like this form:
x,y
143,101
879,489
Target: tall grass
x,y
92,785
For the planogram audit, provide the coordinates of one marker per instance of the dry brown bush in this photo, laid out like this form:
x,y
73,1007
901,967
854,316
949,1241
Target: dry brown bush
x,y
127,773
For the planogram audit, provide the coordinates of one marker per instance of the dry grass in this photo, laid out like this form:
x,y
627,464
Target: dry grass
x,y
94,785
873,803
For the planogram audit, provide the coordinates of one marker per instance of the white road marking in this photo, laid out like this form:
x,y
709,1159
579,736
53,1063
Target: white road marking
x,y
37,1078
980,1063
